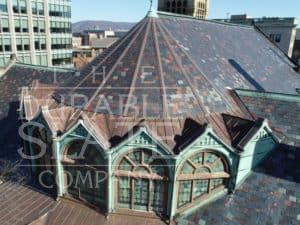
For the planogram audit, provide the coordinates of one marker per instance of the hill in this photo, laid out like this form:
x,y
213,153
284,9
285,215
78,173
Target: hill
x,y
102,25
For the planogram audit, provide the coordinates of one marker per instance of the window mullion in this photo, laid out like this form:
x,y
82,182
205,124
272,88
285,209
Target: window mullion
x,y
150,186
192,191
132,192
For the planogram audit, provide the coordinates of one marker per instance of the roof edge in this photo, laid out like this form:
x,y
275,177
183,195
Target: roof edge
x,y
50,68
296,65
200,19
273,95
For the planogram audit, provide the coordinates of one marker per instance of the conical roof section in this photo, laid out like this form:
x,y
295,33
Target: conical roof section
x,y
155,72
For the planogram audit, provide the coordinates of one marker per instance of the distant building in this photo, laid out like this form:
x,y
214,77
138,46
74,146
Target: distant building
x,y
196,8
120,33
36,32
89,35
90,43
296,51
84,54
282,31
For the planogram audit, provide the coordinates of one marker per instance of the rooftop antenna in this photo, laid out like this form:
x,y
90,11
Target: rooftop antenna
x,y
152,12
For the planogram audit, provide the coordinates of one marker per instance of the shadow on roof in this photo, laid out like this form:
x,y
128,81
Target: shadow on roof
x,y
246,75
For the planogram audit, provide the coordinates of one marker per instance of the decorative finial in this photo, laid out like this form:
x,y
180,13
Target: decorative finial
x,y
152,12
151,5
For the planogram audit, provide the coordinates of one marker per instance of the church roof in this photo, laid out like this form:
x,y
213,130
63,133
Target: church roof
x,y
167,71
178,67
201,51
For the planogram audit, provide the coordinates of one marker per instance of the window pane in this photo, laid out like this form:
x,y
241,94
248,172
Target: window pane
x,y
200,187
159,194
141,191
210,158
124,190
187,169
218,166
135,157
198,159
125,165
202,170
142,170
159,167
216,183
184,192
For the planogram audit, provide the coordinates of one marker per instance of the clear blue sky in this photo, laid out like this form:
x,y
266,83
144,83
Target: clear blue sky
x,y
134,10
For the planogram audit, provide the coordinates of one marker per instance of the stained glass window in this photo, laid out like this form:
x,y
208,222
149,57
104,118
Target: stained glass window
x,y
149,177
141,194
187,169
124,190
125,165
158,195
184,192
135,157
200,175
201,187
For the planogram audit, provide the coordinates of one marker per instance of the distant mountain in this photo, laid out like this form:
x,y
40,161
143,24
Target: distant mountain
x,y
101,25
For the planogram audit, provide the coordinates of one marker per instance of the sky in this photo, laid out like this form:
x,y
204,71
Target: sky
x,y
135,10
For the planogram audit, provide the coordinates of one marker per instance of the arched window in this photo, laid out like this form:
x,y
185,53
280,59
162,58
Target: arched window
x,y
85,174
142,180
44,162
201,175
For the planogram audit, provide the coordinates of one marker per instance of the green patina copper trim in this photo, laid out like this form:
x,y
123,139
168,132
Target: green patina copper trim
x,y
57,69
271,95
59,168
152,13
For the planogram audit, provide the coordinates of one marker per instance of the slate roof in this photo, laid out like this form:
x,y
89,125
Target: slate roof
x,y
11,84
70,213
198,59
271,195
21,204
195,57
282,111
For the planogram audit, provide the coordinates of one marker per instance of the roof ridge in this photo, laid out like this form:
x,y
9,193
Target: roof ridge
x,y
200,19
137,67
50,68
257,29
113,50
164,36
120,57
161,71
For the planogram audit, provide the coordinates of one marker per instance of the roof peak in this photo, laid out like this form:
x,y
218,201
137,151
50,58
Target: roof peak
x,y
152,12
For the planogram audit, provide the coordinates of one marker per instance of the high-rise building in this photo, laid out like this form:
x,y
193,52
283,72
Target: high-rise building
x,y
36,32
281,31
196,8
296,50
